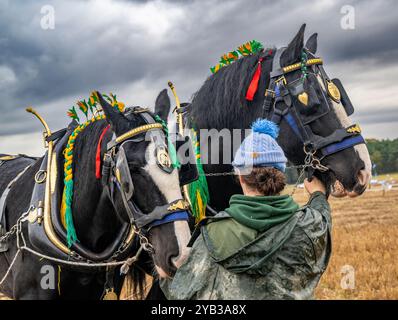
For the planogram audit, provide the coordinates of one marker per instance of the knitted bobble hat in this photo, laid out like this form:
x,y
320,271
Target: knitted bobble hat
x,y
260,148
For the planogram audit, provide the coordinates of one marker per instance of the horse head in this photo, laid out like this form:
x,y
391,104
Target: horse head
x,y
149,193
312,111
322,107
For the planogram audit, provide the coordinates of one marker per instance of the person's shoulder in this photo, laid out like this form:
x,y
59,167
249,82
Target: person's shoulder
x,y
227,236
226,227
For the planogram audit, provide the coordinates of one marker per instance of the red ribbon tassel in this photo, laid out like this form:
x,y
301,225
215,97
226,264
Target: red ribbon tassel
x,y
98,154
251,91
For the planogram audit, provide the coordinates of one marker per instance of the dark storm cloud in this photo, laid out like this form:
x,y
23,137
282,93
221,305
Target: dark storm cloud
x,y
383,115
108,44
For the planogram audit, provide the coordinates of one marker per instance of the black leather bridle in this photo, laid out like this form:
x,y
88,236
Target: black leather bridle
x,y
116,174
284,100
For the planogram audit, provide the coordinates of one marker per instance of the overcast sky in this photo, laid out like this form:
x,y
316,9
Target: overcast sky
x,y
132,48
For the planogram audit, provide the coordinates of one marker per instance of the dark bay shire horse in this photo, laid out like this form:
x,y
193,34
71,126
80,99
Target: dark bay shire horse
x,y
312,112
138,196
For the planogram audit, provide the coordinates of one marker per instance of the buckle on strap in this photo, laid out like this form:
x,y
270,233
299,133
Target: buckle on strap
x,y
159,213
278,113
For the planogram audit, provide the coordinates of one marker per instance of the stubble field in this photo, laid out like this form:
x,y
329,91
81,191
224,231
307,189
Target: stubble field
x,y
364,262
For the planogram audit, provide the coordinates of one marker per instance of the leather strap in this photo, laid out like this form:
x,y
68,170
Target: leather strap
x,y
8,158
154,218
175,216
56,135
3,198
341,145
276,72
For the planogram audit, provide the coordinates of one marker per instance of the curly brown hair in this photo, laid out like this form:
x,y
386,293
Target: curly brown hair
x,y
266,180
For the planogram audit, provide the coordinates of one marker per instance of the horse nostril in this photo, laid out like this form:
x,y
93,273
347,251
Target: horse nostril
x,y
179,260
363,177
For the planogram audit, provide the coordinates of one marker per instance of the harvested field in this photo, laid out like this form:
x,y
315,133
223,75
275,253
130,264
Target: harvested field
x,y
364,263
365,247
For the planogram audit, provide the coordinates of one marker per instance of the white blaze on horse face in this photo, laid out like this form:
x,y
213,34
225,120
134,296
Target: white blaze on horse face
x,y
169,186
167,183
345,122
183,233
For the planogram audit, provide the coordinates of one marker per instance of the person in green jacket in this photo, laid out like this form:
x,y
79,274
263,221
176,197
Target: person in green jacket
x,y
263,246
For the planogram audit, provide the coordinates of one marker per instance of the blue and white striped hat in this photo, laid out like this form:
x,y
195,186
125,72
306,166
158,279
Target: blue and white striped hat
x,y
260,148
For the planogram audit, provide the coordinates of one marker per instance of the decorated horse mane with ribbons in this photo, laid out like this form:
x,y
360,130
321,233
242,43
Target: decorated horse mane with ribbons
x,y
198,191
86,107
246,49
93,112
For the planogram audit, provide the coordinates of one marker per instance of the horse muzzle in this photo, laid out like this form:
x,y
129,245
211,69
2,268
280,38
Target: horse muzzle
x,y
362,182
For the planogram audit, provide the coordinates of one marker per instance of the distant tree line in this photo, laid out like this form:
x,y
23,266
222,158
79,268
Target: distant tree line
x,y
383,153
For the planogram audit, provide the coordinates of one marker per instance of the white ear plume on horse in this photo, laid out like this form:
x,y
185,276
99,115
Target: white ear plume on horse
x,y
312,43
162,105
292,54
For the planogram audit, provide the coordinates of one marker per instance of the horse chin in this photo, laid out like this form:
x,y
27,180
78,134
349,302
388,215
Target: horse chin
x,y
162,274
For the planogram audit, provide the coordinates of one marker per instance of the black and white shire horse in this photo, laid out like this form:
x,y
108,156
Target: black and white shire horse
x,y
321,123
98,218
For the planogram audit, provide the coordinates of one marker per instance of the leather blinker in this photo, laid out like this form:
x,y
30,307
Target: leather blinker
x,y
344,99
122,173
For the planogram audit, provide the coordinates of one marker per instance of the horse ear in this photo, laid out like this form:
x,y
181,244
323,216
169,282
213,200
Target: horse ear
x,y
162,105
114,117
292,54
312,43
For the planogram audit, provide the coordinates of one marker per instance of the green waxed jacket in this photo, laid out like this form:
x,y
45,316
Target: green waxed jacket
x,y
284,262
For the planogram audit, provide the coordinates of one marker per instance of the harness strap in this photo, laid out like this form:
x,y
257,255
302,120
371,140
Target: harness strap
x,y
56,135
339,146
182,109
273,91
268,102
278,113
3,199
8,158
128,205
160,215
339,141
109,286
175,216
293,124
